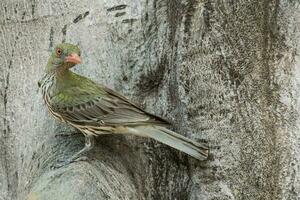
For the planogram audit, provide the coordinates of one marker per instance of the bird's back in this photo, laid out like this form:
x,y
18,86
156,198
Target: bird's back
x,y
81,102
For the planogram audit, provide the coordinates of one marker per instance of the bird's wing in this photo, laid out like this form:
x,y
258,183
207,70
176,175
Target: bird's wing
x,y
100,106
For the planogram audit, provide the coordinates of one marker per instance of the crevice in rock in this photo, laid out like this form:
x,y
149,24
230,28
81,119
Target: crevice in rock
x,y
81,17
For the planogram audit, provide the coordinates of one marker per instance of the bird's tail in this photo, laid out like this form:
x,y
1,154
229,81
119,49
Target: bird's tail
x,y
175,140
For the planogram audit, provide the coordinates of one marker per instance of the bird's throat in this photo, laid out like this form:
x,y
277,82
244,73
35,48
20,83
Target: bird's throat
x,y
65,79
61,72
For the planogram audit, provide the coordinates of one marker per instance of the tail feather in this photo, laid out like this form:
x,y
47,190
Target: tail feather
x,y
175,140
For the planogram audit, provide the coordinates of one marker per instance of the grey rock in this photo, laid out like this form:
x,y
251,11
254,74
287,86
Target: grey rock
x,y
225,72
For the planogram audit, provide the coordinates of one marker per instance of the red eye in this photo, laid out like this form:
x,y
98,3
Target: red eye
x,y
58,51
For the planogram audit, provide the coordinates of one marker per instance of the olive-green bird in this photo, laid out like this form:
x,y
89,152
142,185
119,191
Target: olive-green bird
x,y
96,110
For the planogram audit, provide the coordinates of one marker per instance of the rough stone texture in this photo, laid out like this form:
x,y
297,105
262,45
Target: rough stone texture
x,y
224,71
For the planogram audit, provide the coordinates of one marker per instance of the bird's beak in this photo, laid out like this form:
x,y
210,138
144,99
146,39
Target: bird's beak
x,y
73,58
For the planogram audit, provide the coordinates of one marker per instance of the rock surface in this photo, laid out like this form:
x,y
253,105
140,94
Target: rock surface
x,y
226,72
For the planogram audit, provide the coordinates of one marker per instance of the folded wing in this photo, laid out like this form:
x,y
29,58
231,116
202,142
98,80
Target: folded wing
x,y
100,106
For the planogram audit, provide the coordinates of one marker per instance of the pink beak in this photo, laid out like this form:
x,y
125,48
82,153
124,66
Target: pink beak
x,y
73,58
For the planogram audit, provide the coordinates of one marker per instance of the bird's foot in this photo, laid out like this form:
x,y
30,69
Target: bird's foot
x,y
60,164
82,158
89,144
63,163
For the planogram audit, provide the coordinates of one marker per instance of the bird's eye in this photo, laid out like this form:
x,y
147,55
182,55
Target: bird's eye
x,y
58,51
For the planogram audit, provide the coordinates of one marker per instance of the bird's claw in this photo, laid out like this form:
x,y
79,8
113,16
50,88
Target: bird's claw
x,y
60,164
82,158
63,163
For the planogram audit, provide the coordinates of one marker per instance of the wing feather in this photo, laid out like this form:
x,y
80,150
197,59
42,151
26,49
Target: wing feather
x,y
98,108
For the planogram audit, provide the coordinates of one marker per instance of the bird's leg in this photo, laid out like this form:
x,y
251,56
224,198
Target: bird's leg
x,y
89,144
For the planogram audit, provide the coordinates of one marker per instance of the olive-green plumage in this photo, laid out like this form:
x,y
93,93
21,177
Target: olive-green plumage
x,y
95,109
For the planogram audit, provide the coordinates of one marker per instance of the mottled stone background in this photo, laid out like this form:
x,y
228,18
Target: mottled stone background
x,y
223,71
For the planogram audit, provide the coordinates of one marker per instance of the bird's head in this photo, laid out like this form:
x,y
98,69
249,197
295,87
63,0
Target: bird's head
x,y
63,57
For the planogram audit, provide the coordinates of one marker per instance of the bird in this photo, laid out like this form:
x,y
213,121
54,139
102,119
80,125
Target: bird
x,y
95,109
